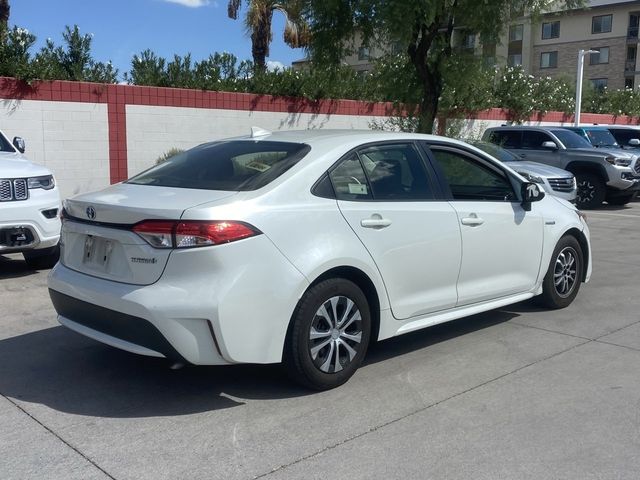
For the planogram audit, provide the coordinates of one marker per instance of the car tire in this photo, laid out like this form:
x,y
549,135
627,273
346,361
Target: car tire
x,y
564,275
591,191
328,335
621,200
42,259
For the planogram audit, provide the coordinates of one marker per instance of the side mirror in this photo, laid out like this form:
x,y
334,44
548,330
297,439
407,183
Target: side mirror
x,y
530,192
549,145
18,142
634,142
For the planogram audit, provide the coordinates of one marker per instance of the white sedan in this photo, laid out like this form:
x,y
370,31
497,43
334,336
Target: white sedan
x,y
302,247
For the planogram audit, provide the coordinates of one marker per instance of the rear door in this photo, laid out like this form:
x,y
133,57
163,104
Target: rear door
x,y
501,242
387,196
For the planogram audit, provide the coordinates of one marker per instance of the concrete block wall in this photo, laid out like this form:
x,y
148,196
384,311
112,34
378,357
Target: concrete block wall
x,y
69,138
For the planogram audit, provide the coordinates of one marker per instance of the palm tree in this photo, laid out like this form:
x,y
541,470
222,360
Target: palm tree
x,y
4,19
258,23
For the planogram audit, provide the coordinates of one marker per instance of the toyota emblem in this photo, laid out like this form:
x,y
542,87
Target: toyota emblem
x,y
91,213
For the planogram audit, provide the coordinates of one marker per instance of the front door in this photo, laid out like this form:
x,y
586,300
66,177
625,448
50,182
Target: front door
x,y
501,242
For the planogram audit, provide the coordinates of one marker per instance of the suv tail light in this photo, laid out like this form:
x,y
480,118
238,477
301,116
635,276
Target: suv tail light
x,y
192,233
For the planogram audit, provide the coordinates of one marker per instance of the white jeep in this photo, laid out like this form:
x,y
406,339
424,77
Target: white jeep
x,y
29,207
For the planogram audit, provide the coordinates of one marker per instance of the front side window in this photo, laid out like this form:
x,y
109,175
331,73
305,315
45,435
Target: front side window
x,y
549,60
472,179
230,166
601,56
5,145
550,30
601,24
533,140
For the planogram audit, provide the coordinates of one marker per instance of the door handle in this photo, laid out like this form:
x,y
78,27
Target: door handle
x,y
376,221
472,220
522,155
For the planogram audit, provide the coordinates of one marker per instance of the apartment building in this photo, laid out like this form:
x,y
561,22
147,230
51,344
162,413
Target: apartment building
x,y
549,46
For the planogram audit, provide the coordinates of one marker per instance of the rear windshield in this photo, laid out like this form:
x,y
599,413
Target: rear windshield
x,y
231,166
571,139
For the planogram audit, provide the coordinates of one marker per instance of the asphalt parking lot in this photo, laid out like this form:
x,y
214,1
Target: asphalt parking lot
x,y
516,393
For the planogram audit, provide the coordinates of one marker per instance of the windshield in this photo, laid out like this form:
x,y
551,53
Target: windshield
x,y
229,166
497,152
5,145
601,138
571,139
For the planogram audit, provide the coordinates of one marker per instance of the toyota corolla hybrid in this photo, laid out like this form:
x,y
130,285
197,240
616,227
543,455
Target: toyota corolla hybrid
x,y
303,247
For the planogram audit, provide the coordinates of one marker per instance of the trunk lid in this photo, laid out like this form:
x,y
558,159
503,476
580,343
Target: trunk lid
x,y
97,239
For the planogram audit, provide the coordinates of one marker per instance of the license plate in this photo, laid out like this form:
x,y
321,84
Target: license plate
x,y
97,251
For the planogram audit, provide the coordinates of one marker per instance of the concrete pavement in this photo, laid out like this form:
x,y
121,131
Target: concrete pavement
x,y
513,393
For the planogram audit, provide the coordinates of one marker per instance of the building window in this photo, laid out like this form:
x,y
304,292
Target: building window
x,y
601,23
397,48
489,59
599,84
514,60
550,30
516,33
549,60
469,41
602,56
363,53
628,83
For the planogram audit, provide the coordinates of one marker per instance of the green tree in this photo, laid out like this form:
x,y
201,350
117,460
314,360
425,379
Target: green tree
x,y
258,23
5,10
424,27
73,61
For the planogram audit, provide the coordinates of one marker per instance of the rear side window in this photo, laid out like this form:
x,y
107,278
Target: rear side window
x,y
230,166
349,180
383,172
506,138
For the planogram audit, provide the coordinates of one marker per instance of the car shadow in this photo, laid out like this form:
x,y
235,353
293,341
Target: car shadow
x,y
14,267
70,373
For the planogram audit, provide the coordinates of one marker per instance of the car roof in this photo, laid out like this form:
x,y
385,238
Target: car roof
x,y
526,127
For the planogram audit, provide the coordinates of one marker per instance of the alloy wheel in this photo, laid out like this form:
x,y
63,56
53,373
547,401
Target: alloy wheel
x,y
335,337
586,191
565,272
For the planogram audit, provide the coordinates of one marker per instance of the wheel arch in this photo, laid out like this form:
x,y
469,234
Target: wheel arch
x,y
584,245
577,167
362,280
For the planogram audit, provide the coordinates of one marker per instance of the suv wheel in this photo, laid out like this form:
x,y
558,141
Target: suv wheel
x,y
564,275
591,190
329,334
42,259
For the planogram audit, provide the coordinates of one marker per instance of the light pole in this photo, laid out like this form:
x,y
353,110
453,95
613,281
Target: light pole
x,y
581,54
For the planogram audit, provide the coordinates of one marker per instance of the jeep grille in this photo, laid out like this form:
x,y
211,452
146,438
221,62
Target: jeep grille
x,y
13,189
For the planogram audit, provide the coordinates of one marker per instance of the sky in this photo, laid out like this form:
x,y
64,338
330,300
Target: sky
x,y
122,28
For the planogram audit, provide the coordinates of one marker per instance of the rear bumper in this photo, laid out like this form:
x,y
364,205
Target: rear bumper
x,y
207,309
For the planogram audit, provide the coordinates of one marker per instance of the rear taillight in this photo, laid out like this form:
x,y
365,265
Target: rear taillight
x,y
192,233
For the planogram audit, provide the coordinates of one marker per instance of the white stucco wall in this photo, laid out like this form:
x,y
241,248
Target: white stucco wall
x,y
70,138
152,131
